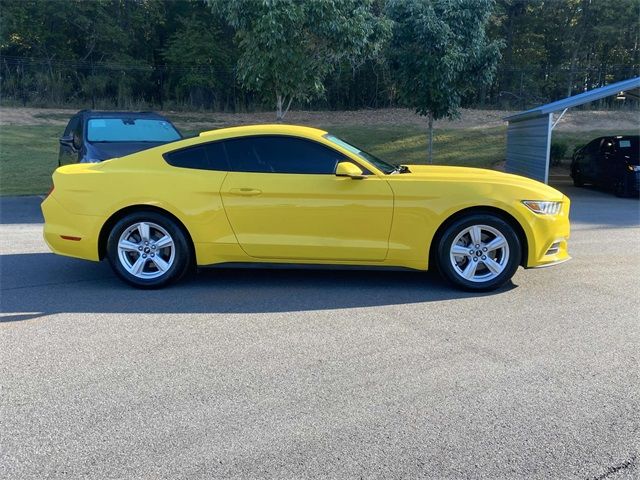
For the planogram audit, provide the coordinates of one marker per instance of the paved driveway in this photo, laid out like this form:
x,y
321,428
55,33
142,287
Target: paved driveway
x,y
295,374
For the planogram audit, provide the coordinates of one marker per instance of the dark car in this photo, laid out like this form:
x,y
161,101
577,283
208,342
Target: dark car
x,y
92,136
609,162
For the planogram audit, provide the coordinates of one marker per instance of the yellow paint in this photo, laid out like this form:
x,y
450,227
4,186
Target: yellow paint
x,y
385,220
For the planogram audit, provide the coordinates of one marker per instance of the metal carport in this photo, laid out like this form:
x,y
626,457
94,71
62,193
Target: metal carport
x,y
529,132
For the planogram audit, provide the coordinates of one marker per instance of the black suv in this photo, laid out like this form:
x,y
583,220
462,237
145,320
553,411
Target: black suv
x,y
92,136
610,162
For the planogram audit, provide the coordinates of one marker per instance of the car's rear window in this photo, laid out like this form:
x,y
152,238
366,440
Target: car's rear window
x,y
130,130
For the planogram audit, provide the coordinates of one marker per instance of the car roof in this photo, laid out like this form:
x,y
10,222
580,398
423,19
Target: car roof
x,y
264,129
117,114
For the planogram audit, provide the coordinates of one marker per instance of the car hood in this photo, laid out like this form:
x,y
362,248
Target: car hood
x,y
107,150
477,175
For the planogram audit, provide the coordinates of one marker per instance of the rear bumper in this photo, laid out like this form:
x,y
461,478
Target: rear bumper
x,y
70,234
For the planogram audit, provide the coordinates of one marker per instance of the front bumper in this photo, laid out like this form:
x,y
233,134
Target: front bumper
x,y
548,237
70,234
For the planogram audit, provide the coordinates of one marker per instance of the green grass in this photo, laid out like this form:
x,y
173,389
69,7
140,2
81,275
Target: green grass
x,y
408,144
29,154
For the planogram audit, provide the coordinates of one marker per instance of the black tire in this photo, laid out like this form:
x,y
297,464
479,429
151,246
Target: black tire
x,y
508,259
178,257
621,188
578,181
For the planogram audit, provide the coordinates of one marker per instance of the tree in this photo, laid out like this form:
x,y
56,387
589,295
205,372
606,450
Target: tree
x,y
439,53
287,48
199,59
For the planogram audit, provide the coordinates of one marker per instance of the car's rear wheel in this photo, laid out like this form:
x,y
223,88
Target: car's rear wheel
x,y
578,181
621,188
479,252
148,250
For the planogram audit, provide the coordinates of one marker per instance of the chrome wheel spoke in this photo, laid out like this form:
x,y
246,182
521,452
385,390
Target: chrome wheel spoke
x,y
470,270
128,246
493,266
496,243
143,228
460,251
160,263
476,235
138,266
164,242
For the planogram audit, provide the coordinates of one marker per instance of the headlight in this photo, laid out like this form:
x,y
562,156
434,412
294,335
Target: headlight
x,y
543,207
634,168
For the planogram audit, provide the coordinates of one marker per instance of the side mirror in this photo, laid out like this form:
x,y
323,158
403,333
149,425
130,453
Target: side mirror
x,y
348,169
66,141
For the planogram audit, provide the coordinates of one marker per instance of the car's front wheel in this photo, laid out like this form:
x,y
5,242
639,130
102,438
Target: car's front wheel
x,y
148,250
479,252
578,181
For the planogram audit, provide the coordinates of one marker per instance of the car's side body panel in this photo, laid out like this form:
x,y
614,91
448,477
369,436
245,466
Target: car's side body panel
x,y
309,217
382,220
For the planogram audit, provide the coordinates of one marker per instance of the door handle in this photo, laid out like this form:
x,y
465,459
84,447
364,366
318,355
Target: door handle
x,y
247,192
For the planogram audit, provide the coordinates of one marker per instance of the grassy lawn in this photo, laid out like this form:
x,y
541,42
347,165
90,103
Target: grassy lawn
x,y
408,145
28,154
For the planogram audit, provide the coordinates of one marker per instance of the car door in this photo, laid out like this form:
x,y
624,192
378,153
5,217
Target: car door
x,y
284,201
605,162
590,160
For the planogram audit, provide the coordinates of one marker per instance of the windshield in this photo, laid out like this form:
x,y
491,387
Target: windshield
x,y
372,159
130,130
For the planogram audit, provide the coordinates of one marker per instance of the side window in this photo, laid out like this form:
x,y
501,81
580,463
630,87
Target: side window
x,y
217,156
77,134
281,154
71,126
593,145
210,156
607,146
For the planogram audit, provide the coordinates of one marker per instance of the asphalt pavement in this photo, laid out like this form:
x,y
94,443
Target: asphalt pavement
x,y
322,374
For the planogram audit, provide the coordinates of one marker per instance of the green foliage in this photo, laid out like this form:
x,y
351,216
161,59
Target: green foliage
x,y
288,48
328,53
440,52
199,58
557,152
556,49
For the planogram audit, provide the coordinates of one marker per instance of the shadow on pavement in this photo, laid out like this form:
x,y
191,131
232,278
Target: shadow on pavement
x,y
40,284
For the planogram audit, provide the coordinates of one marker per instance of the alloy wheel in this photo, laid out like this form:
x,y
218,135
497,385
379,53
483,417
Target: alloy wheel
x,y
146,250
479,253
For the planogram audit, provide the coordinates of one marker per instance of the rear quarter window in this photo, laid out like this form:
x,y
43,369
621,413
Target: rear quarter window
x,y
210,156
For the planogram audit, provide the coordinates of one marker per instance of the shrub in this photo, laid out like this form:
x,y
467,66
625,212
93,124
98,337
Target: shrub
x,y
557,153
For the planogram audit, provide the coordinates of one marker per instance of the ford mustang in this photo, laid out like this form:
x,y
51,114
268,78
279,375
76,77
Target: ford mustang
x,y
283,194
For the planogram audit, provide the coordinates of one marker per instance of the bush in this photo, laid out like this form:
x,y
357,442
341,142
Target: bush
x,y
557,152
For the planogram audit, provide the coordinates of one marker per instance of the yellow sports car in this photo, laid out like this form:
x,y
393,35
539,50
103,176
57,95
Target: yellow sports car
x,y
297,195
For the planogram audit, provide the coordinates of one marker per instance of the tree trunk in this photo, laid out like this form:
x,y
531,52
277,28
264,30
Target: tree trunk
x,y
279,115
279,104
430,149
582,25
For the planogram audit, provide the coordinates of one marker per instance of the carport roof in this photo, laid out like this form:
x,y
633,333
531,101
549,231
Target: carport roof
x,y
630,86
